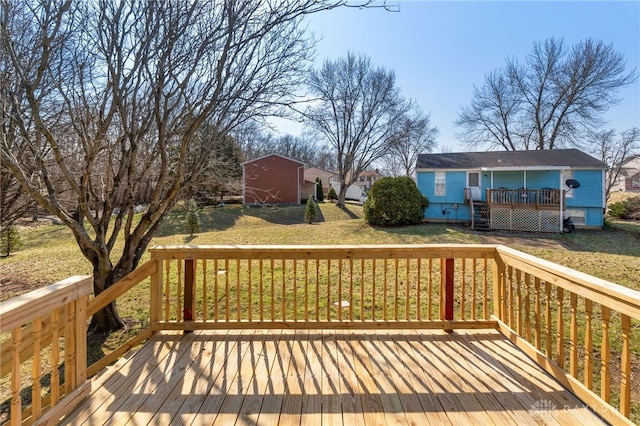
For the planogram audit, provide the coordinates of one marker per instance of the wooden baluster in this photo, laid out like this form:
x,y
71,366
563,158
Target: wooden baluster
x,y
573,336
284,290
510,288
250,288
70,350
518,307
350,289
227,300
537,342
295,290
167,290
527,307
548,319
273,291
362,281
384,292
55,356
407,294
36,369
485,289
339,298
373,290
216,301
605,356
625,367
328,289
317,289
463,288
261,266
179,316
238,291
306,289
396,285
560,327
419,290
430,291
448,290
588,344
16,377
474,290
205,300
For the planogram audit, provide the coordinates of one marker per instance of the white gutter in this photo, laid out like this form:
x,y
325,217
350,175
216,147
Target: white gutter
x,y
519,168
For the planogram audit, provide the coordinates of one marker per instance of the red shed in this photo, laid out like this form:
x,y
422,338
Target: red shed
x,y
273,179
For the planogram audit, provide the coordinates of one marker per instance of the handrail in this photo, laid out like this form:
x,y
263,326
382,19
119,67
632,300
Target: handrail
x,y
539,308
541,198
37,320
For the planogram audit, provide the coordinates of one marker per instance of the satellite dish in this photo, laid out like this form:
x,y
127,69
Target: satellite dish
x,y
572,183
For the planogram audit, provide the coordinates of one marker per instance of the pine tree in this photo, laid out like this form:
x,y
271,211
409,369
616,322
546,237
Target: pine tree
x,y
319,191
193,218
331,194
9,240
310,212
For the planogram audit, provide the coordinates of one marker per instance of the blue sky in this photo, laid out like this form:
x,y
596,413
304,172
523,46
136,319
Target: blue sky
x,y
440,49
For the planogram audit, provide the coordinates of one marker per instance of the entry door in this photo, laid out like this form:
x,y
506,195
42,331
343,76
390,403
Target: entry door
x,y
474,185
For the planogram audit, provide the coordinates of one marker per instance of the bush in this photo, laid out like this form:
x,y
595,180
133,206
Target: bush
x,y
626,209
331,194
395,202
310,212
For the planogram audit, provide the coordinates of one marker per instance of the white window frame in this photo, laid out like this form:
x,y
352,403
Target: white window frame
x,y
440,183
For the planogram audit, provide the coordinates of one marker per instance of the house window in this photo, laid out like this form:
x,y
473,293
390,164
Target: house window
x,y
441,183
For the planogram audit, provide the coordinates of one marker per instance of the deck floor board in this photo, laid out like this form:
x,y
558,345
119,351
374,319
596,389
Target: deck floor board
x,y
319,377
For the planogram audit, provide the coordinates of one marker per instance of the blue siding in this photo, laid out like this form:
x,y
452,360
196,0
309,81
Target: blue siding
x,y
588,197
452,203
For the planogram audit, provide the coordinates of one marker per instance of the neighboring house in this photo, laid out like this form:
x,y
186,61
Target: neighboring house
x,y
274,179
513,190
312,173
362,184
368,178
628,178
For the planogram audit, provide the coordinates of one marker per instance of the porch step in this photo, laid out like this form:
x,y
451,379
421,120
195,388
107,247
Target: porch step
x,y
481,219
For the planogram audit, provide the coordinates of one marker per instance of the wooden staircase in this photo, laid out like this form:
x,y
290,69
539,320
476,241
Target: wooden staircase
x,y
480,219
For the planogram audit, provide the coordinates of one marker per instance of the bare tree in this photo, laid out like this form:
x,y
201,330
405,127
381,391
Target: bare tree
x,y
552,100
101,97
356,107
615,152
412,135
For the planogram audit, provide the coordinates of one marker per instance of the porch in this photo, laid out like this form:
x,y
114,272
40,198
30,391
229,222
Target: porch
x,y
533,210
331,334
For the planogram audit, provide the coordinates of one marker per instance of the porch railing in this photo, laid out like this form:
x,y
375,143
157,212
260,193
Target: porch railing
x,y
44,332
580,329
533,198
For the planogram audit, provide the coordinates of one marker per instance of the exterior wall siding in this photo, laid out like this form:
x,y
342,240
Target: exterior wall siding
x,y
272,180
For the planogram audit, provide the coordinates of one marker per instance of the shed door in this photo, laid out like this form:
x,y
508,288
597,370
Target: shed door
x,y
474,184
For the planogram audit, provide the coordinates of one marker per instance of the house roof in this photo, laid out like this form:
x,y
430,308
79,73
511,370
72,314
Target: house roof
x,y
271,155
557,158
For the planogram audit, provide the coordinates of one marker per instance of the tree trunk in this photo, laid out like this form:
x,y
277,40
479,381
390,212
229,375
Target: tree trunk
x,y
106,320
342,196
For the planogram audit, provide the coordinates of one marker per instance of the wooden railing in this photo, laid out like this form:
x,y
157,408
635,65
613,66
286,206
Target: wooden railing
x,y
322,287
47,332
580,329
534,198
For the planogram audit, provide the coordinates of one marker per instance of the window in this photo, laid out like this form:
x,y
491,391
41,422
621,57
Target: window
x,y
441,183
474,179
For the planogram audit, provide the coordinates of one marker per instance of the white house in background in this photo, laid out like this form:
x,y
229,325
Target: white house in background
x,y
629,178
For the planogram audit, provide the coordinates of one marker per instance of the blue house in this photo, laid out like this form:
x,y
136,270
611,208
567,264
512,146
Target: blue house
x,y
514,190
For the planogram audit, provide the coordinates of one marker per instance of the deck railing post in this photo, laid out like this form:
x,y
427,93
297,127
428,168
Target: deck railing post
x,y
156,293
446,307
189,266
498,287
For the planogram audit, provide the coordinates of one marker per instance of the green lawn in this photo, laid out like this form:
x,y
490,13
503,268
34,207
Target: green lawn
x,y
50,252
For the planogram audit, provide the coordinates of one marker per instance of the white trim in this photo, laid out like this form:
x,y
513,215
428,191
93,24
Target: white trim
x,y
523,168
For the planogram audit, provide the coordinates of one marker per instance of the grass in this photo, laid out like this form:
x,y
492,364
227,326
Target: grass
x,y
50,252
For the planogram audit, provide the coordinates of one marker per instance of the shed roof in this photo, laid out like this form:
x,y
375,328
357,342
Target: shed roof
x,y
271,155
556,158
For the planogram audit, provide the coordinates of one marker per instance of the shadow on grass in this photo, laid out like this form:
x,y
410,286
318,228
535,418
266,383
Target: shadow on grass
x,y
211,219
349,212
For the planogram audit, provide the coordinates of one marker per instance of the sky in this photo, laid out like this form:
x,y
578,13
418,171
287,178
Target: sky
x,y
440,49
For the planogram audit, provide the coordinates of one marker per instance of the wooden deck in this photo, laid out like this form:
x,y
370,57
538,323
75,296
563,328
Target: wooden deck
x,y
328,377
